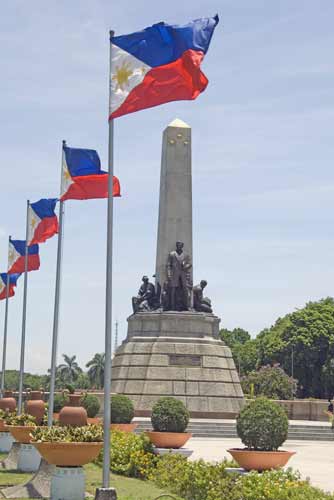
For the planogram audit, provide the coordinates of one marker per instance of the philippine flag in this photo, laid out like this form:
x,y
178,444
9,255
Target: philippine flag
x,y
42,221
158,65
82,177
3,284
16,257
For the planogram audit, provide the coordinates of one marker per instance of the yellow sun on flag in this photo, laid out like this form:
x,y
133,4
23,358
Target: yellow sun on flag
x,y
33,223
122,74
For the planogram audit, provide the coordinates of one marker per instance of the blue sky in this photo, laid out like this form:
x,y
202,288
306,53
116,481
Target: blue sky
x,y
262,161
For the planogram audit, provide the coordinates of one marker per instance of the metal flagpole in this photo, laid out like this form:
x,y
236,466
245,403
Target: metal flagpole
x,y
56,306
24,315
108,319
4,349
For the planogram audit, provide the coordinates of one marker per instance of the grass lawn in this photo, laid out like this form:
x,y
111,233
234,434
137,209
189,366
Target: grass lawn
x,y
127,488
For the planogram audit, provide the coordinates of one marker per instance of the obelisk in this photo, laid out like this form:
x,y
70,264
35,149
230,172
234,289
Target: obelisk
x,y
175,202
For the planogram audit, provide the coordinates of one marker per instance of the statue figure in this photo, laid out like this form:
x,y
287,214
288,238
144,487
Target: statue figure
x,y
147,299
179,279
201,304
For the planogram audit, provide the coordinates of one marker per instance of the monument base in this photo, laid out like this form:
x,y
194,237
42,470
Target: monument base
x,y
177,354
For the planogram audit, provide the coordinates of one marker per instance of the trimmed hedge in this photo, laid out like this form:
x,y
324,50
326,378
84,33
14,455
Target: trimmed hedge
x,y
169,415
122,409
262,425
91,404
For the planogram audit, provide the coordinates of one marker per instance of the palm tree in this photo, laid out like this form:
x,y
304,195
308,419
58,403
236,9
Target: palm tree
x,y
70,370
96,369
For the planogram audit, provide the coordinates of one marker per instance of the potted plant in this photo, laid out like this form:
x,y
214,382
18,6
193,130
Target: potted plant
x,y
20,426
122,413
6,439
8,402
68,446
73,413
262,427
169,419
92,406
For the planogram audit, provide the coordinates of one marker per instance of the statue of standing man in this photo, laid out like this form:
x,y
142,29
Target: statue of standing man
x,y
179,283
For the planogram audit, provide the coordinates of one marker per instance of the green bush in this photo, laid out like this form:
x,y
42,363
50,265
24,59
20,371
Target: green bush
x,y
21,420
130,455
86,434
60,400
169,415
122,410
269,381
91,404
262,425
199,480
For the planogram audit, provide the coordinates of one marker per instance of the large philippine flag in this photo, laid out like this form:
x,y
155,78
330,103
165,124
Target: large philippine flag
x,y
42,220
158,65
16,257
82,177
3,284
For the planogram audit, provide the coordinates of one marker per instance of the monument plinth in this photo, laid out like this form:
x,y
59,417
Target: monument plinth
x,y
172,346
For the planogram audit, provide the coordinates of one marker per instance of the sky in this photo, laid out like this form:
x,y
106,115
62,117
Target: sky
x,y
262,139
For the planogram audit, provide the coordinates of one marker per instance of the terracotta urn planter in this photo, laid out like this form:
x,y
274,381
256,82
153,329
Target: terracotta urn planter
x,y
8,402
73,414
21,433
69,454
124,427
260,460
35,406
168,439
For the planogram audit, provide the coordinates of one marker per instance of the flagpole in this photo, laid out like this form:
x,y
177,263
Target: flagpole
x,y
108,319
56,306
24,315
4,348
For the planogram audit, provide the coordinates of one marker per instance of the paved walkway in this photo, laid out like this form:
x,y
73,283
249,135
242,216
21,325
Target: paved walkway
x,y
314,460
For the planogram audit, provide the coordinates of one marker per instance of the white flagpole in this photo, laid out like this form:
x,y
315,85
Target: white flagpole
x,y
108,319
24,315
57,301
4,348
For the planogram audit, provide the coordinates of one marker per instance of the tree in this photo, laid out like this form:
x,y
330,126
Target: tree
x,y
96,370
269,381
303,341
243,348
70,370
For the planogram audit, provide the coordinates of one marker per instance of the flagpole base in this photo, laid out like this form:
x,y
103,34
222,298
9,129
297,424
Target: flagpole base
x,y
105,494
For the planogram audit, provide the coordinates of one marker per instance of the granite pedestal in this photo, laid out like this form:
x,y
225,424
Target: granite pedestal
x,y
177,354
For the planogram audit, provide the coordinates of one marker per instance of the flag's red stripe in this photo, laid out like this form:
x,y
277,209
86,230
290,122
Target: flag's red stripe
x,y
3,294
18,266
179,80
47,228
88,187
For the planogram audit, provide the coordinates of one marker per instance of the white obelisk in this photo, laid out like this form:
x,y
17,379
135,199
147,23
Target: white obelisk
x,y
175,207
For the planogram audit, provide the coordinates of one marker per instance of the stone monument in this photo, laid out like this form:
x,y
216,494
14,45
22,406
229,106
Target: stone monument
x,y
172,346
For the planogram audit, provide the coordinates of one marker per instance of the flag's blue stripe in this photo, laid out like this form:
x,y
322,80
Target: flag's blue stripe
x,y
45,207
20,247
82,161
162,43
12,278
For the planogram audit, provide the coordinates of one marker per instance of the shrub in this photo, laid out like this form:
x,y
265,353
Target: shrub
x,y
169,415
270,381
122,410
86,434
130,455
22,420
60,400
262,425
91,404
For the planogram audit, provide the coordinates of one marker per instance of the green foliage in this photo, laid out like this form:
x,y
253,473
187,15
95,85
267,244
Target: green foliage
x,y
60,400
34,382
23,420
91,405
269,381
70,388
57,434
5,414
307,336
130,455
169,415
96,370
243,348
262,425
69,371
122,409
